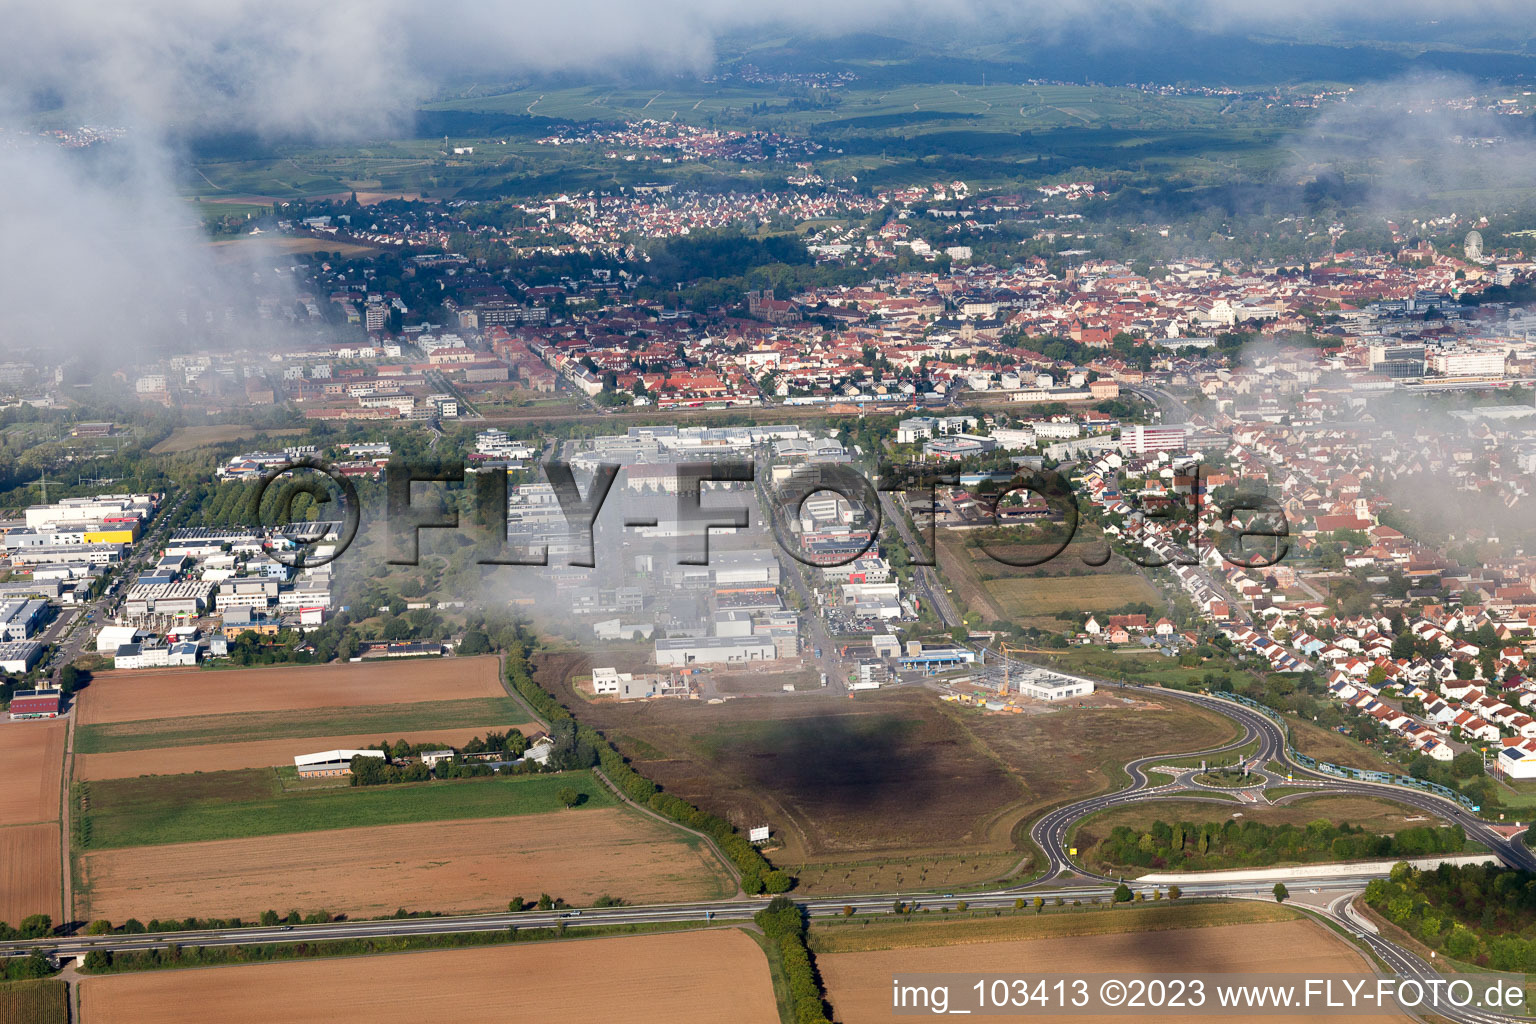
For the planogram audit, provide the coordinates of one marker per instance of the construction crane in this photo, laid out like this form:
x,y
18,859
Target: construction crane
x,y
1004,648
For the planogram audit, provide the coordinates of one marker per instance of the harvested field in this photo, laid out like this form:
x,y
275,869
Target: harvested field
x,y
859,984
31,765
212,757
377,720
644,979
448,866
138,695
30,882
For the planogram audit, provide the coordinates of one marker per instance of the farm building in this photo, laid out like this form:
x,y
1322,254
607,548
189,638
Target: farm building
x,y
404,649
18,656
330,762
27,704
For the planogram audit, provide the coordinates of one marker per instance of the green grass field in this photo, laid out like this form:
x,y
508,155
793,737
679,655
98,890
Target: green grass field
x,y
387,720
155,810
1088,593
34,1002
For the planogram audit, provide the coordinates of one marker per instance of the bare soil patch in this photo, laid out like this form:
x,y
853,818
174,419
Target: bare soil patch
x,y
29,872
888,775
679,978
137,695
368,872
215,757
31,767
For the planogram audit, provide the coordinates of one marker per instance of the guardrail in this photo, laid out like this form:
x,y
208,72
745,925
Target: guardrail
x,y
1344,772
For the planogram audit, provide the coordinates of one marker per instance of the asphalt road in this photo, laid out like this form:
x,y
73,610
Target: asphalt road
x,y
1050,833
925,579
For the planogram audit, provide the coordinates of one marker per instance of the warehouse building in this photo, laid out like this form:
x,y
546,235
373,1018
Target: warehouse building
x,y
30,704
200,542
112,637
186,599
101,508
54,554
18,656
47,588
20,619
714,650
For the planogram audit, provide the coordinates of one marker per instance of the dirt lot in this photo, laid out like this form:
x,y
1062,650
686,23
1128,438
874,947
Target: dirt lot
x,y
859,984
214,757
29,872
31,765
844,780
368,872
1079,752
138,695
643,979
832,776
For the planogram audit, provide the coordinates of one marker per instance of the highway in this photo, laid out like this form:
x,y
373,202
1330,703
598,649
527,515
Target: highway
x,y
1061,878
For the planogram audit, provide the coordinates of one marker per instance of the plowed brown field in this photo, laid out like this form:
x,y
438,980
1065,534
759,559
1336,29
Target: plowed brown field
x,y
367,872
29,872
692,977
218,757
136,694
31,765
859,984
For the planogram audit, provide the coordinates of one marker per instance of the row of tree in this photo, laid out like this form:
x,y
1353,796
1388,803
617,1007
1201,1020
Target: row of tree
x,y
580,741
783,923
1252,844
